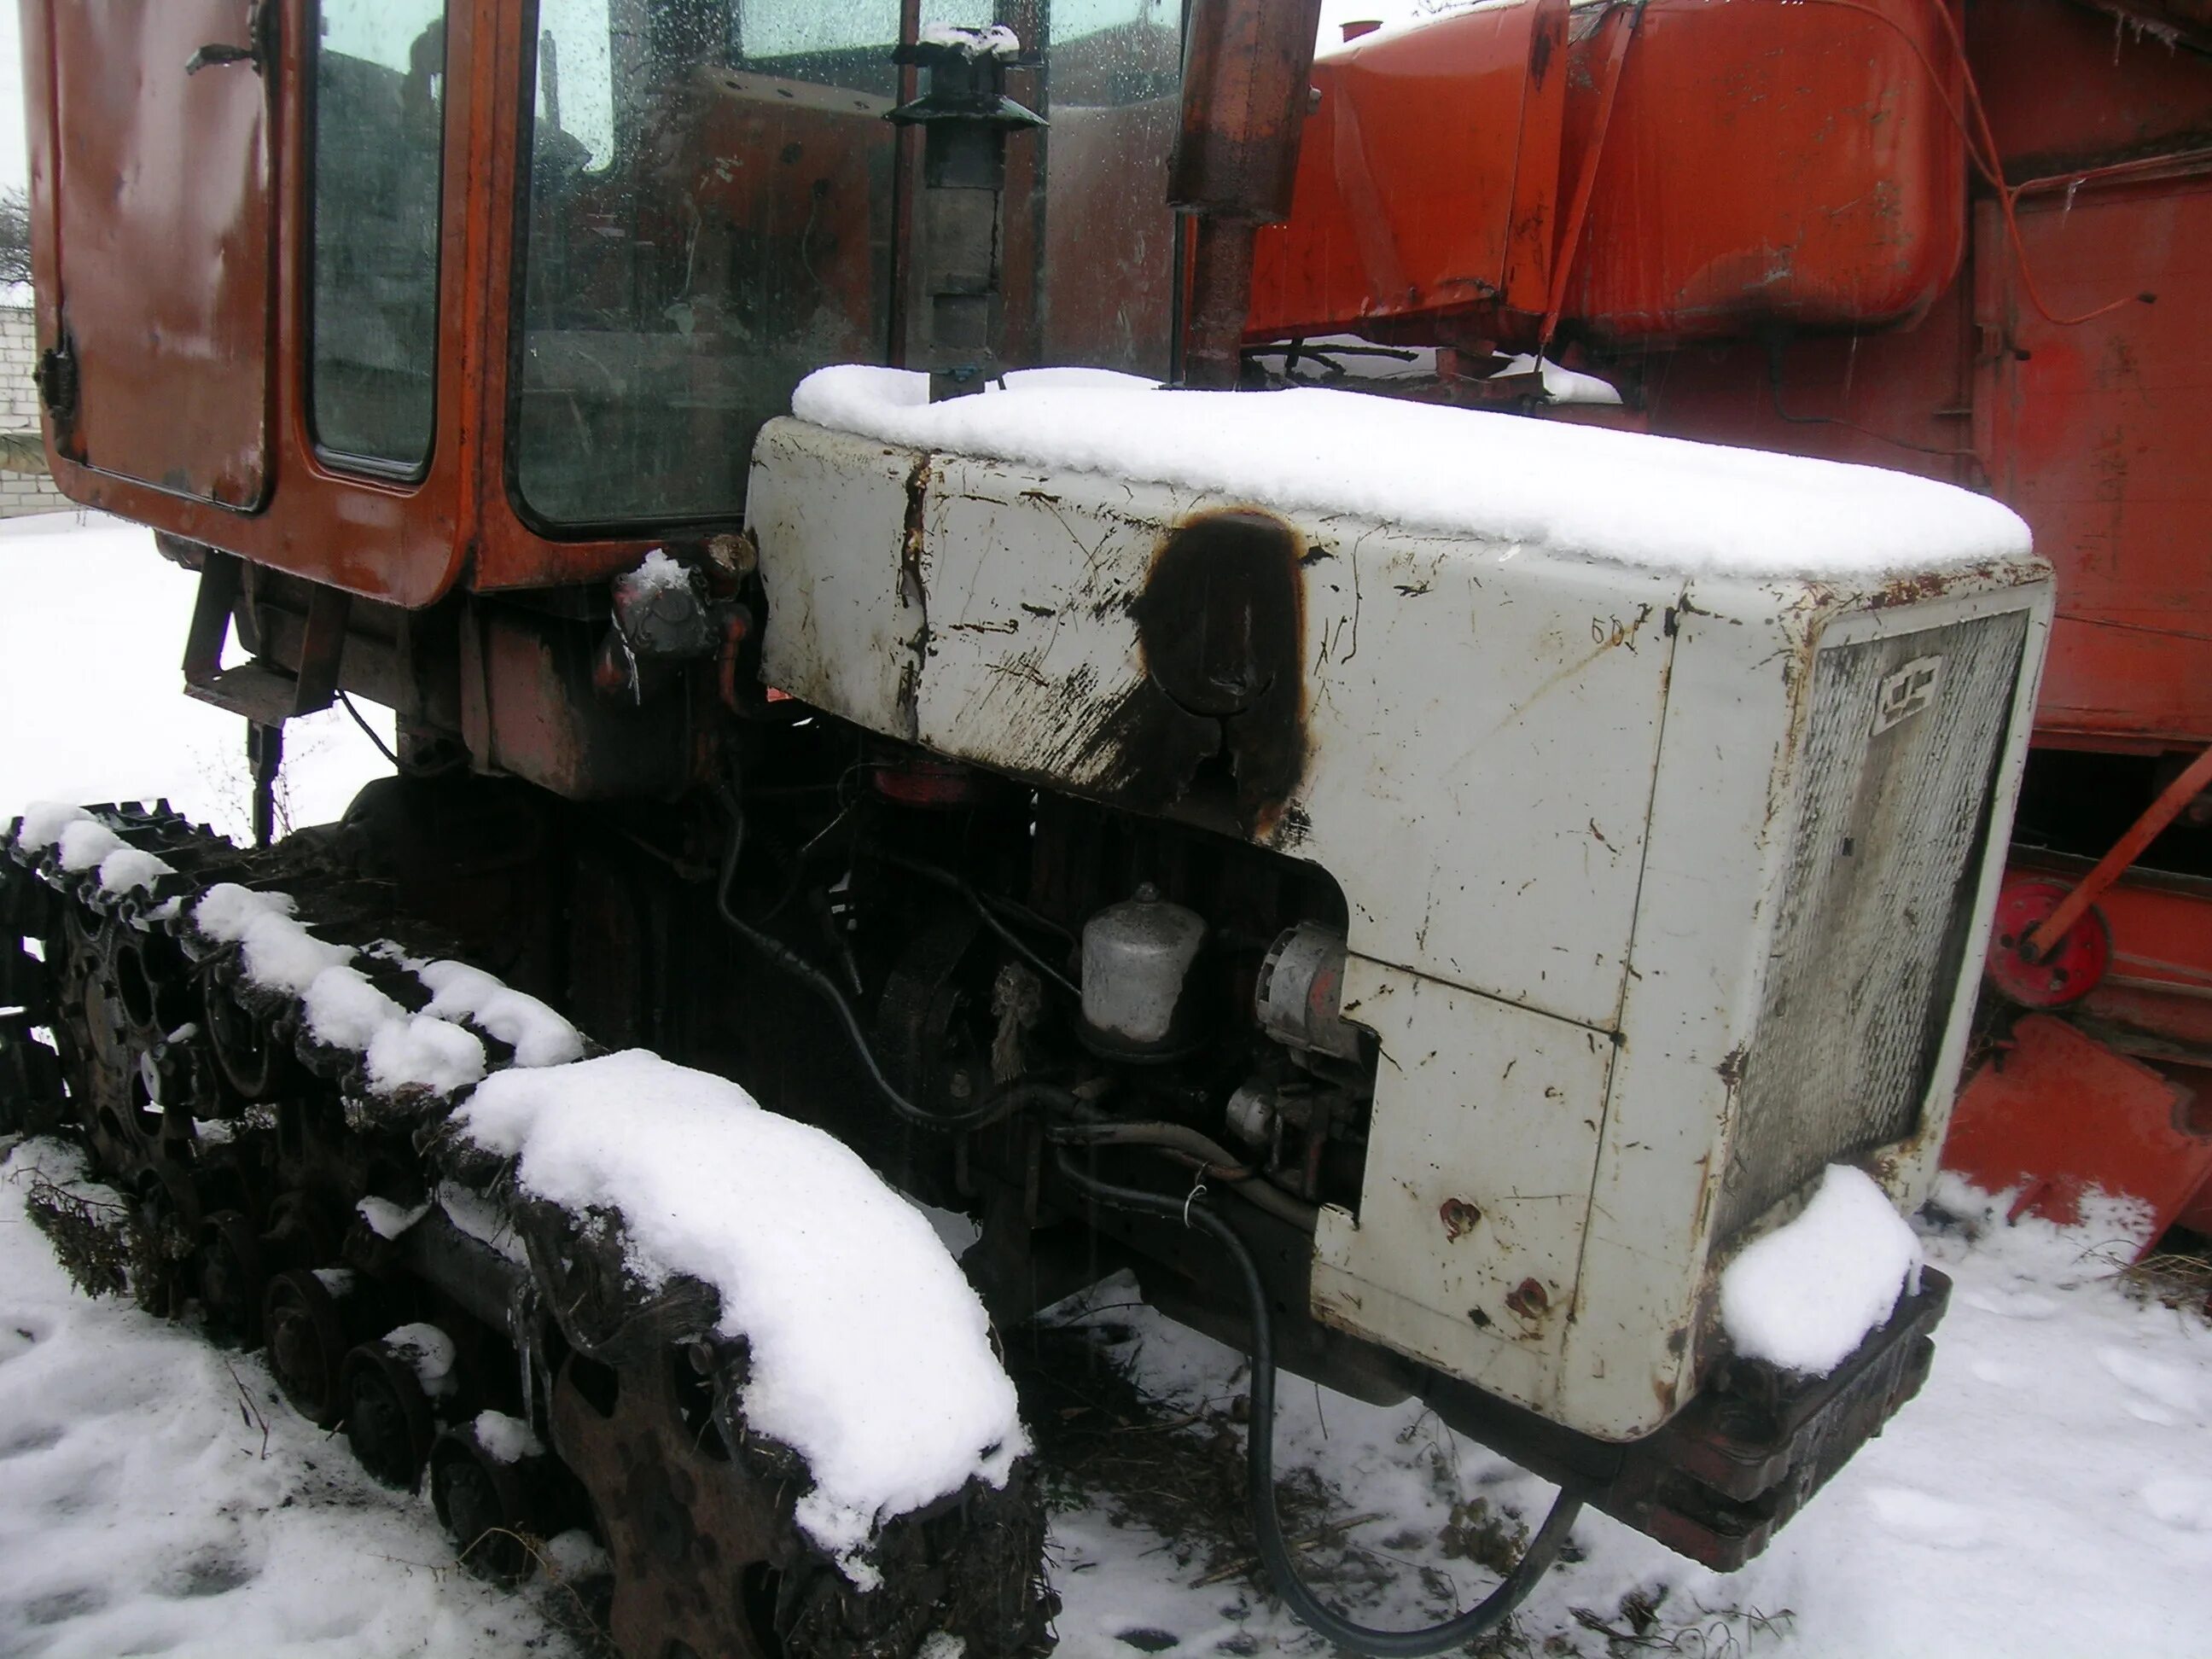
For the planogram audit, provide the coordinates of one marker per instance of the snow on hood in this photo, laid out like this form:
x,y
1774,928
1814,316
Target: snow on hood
x,y
871,1353
1624,497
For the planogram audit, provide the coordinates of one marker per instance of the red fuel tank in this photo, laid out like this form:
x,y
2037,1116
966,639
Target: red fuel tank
x,y
1740,163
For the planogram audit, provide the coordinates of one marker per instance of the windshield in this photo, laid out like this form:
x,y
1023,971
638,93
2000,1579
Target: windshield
x,y
711,217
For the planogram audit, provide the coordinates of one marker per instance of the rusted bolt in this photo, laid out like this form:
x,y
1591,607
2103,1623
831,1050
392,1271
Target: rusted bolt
x,y
1528,1299
1458,1216
738,555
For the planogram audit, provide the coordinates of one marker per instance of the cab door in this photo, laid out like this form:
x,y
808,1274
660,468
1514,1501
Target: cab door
x,y
161,243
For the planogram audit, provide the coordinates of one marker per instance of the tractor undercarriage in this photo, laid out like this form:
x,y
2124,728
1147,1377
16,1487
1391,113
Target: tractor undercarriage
x,y
881,943
461,1334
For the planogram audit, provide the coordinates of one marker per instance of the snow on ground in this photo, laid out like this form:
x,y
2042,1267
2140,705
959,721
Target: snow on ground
x,y
92,703
142,1513
2049,1494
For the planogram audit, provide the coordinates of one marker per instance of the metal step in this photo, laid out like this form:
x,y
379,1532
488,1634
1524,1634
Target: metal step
x,y
266,694
263,694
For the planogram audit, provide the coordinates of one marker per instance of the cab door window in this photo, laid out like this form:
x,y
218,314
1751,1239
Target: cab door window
x,y
379,120
709,219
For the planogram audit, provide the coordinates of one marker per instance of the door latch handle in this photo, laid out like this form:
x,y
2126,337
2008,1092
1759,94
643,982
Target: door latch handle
x,y
220,52
260,29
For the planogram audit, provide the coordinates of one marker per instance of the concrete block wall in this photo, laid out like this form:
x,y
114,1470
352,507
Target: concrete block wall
x,y
23,493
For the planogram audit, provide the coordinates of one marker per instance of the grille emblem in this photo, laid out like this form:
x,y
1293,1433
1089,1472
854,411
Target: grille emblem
x,y
1907,691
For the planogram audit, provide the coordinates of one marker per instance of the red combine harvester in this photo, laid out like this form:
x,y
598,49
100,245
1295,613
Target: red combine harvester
x,y
1972,241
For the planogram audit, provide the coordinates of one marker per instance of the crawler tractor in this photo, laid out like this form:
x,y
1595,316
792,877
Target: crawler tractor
x,y
1426,889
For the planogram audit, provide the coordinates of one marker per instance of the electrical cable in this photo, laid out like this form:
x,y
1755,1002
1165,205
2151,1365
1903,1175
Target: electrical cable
x,y
1260,1463
1260,1448
1774,396
967,891
797,866
368,730
1982,150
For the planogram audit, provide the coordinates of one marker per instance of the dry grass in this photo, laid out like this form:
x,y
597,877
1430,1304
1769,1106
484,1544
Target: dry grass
x,y
2176,1279
1643,1623
1179,1473
1103,1441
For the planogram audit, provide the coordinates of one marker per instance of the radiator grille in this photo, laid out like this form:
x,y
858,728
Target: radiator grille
x,y
1900,756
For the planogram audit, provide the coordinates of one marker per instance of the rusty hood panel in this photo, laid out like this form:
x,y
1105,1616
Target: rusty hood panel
x,y
1456,729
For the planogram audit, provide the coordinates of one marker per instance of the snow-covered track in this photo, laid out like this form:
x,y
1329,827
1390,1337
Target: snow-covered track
x,y
441,1211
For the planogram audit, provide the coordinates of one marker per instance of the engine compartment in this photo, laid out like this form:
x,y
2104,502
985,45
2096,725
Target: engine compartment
x,y
1179,984
952,909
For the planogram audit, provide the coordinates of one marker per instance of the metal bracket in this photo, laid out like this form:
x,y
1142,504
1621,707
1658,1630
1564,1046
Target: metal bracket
x,y
263,691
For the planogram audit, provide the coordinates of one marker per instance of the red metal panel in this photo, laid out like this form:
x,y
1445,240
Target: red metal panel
x,y
2058,1114
1764,164
1898,399
2100,435
162,245
1426,177
2065,86
1795,164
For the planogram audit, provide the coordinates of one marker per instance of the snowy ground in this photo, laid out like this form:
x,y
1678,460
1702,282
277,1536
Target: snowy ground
x,y
92,703
2050,1492
157,1496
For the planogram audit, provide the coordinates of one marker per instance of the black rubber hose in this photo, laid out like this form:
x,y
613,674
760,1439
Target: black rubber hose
x,y
369,732
1259,1466
1208,1156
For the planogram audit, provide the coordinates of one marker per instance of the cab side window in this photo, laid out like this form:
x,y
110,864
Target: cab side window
x,y
377,122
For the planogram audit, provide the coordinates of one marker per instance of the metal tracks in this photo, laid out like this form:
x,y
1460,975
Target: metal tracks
x,y
489,1344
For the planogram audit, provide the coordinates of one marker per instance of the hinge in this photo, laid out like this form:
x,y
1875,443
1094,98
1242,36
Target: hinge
x,y
56,377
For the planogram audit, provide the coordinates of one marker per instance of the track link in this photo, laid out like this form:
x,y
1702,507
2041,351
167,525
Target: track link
x,y
464,1335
